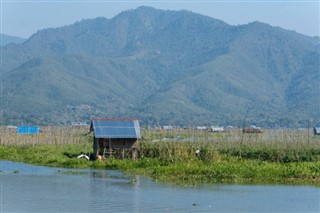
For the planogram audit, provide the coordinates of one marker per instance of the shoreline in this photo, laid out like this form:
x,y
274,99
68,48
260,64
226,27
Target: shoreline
x,y
216,167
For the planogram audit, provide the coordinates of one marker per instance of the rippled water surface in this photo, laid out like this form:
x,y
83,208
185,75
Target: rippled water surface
x,y
27,188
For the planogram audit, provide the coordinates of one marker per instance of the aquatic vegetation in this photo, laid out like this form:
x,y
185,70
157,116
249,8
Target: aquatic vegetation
x,y
275,157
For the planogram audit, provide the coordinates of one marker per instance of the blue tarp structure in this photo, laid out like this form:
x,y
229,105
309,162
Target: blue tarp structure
x,y
28,130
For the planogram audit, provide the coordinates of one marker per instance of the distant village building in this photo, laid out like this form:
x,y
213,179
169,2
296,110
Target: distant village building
x,y
167,127
201,128
78,124
28,130
115,133
252,129
12,127
316,130
217,129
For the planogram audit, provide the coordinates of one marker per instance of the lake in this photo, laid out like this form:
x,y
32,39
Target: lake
x,y
28,188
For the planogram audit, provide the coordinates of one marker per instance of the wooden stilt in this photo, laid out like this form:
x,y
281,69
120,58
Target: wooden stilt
x,y
110,149
122,153
134,153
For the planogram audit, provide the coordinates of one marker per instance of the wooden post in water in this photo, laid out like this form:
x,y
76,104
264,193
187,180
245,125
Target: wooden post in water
x,y
95,148
110,148
122,153
134,153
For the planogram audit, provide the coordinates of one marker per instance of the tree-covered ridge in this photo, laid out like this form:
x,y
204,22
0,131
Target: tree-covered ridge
x,y
7,39
164,67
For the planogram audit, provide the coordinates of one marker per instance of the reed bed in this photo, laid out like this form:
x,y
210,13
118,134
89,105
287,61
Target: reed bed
x,y
277,145
275,156
48,135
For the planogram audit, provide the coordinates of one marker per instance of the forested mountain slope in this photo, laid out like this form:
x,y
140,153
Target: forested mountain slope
x,y
164,67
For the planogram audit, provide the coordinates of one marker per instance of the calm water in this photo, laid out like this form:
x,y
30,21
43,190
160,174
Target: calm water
x,y
43,189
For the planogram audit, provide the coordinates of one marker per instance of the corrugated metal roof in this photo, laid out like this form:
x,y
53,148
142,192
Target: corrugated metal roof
x,y
28,130
115,128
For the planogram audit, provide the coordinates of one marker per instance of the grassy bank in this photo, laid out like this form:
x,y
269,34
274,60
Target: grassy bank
x,y
223,158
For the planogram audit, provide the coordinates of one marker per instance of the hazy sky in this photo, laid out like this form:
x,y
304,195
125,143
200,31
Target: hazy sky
x,y
24,17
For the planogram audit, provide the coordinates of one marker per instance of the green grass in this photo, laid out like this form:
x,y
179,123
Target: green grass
x,y
250,159
180,169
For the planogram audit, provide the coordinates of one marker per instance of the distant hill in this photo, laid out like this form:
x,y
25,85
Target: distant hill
x,y
164,67
6,39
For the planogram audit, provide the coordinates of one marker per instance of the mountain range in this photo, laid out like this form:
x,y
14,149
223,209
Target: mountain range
x,y
165,68
7,39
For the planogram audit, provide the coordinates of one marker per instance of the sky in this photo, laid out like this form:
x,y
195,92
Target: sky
x,y
23,18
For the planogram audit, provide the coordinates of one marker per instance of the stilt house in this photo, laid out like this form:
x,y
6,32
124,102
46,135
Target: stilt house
x,y
111,134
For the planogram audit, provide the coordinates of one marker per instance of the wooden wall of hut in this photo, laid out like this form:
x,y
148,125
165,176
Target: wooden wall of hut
x,y
107,147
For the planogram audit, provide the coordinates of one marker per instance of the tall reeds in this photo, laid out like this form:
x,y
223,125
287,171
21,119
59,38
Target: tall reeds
x,y
274,156
273,145
276,145
48,135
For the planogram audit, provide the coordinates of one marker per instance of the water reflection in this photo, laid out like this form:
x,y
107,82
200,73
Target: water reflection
x,y
43,189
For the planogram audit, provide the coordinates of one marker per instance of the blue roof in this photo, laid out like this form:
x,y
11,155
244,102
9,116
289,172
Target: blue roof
x,y
28,130
115,128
